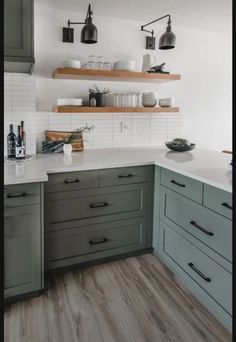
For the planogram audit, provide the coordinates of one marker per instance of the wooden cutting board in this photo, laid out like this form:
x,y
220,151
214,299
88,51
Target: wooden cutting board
x,y
77,142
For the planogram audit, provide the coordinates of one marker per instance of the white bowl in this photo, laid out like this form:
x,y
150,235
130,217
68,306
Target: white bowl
x,y
127,65
69,102
150,103
166,102
72,63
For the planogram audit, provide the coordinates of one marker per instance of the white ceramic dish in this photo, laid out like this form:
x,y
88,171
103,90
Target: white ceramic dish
x,y
126,65
72,63
166,102
69,102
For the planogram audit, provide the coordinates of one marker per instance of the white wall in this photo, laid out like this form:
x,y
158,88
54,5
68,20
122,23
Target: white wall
x,y
203,58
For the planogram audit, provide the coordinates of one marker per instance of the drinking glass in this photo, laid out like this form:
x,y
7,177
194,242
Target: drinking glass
x,y
99,62
107,66
115,100
91,64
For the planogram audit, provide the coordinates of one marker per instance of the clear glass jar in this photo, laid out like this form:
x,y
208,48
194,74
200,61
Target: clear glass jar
x,y
138,100
131,100
115,100
99,62
92,60
107,66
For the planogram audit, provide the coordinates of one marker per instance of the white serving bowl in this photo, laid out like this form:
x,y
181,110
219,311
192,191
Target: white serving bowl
x,y
69,102
150,103
166,102
72,63
126,65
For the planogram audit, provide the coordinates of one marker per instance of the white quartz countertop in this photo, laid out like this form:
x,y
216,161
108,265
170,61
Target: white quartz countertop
x,y
207,166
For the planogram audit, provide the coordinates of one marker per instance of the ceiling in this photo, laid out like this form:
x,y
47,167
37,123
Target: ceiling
x,y
213,15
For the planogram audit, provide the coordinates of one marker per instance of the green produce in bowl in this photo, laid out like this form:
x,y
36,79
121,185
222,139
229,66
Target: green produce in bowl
x,y
181,142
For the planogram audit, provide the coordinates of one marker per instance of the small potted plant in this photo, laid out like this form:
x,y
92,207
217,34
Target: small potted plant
x,y
99,96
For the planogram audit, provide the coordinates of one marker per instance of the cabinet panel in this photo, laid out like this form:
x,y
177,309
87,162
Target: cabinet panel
x,y
75,205
21,194
210,228
214,279
218,200
124,175
67,247
185,186
22,250
18,29
68,181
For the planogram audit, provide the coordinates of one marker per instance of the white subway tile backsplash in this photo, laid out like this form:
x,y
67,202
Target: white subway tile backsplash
x,y
110,129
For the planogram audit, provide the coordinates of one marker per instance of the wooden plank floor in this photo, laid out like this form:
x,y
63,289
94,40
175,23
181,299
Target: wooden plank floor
x,y
130,300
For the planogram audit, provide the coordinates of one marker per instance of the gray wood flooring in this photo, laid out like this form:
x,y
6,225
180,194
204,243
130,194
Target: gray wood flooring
x,y
130,300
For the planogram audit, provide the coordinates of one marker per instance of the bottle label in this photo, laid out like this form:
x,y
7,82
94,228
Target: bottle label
x,y
20,152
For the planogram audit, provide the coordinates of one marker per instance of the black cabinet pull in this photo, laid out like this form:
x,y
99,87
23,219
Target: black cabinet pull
x,y
193,223
16,195
98,205
125,176
226,205
207,279
96,242
176,183
71,181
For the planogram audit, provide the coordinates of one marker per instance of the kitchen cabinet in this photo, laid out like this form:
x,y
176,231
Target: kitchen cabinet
x,y
192,234
112,218
23,241
18,35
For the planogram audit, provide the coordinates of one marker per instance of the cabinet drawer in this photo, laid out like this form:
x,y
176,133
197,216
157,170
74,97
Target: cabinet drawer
x,y
67,247
71,181
184,185
21,194
214,279
75,205
123,175
218,200
210,228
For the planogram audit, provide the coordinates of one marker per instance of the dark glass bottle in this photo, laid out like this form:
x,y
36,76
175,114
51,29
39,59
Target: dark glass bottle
x,y
20,147
22,132
11,144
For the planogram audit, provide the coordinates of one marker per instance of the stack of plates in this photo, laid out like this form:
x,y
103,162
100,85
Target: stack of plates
x,y
126,65
149,99
71,63
69,102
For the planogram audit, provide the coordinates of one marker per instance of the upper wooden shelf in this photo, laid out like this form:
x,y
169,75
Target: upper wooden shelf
x,y
113,75
74,109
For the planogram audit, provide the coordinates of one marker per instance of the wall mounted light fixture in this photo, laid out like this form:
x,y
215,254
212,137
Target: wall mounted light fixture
x,y
89,33
167,39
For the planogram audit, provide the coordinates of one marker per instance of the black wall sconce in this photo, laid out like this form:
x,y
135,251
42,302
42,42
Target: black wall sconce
x,y
89,33
167,39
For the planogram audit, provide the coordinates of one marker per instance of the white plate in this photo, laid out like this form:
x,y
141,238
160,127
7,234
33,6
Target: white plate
x,y
72,63
69,102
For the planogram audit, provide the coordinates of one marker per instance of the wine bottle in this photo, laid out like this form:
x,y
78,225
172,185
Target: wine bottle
x,y
23,136
11,144
20,147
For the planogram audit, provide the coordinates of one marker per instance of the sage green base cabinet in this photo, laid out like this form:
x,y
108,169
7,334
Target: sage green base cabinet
x,y
96,214
192,234
23,240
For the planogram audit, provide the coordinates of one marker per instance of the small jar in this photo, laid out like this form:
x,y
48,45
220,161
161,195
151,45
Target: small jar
x,y
67,149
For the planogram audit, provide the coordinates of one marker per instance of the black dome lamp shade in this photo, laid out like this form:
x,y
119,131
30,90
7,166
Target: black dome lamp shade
x,y
89,33
167,39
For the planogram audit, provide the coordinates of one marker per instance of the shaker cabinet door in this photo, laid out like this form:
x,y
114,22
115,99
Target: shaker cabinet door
x,y
18,30
22,250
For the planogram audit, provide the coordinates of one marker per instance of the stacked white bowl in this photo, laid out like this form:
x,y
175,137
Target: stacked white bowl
x,y
149,99
126,65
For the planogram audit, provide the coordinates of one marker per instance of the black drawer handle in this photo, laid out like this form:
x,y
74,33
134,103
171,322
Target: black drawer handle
x,y
226,205
125,176
193,223
23,194
98,205
96,242
207,279
71,181
176,183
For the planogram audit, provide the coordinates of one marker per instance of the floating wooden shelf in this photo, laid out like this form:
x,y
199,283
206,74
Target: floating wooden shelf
x,y
74,109
113,75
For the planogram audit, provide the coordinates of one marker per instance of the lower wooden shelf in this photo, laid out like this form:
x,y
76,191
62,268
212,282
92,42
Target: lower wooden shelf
x,y
75,109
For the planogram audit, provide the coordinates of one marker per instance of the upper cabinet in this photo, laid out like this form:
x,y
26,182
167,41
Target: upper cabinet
x,y
18,35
